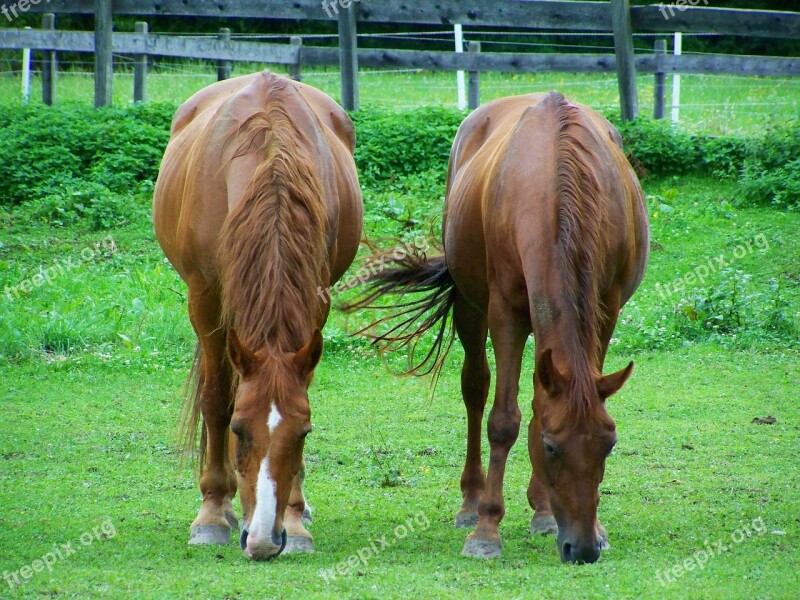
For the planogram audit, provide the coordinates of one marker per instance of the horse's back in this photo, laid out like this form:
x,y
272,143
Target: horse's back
x,y
503,201
210,160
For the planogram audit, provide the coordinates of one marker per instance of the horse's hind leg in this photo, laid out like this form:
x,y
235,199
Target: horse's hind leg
x,y
296,516
472,328
217,481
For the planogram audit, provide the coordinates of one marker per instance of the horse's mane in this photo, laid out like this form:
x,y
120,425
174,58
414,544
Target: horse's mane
x,y
272,245
582,218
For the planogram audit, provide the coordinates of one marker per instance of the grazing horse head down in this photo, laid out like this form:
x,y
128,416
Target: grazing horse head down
x,y
572,449
257,207
545,232
271,420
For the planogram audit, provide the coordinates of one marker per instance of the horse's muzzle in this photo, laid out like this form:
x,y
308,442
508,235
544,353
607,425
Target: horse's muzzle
x,y
576,553
263,551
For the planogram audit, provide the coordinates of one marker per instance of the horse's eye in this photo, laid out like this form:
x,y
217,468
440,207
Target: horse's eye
x,y
237,429
551,450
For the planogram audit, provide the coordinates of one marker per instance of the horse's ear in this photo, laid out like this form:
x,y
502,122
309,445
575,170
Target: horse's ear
x,y
307,358
552,380
611,384
243,360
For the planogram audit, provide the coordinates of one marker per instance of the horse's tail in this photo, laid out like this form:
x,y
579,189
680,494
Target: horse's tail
x,y
191,413
411,319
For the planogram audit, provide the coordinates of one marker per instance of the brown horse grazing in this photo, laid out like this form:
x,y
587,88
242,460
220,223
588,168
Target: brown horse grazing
x,y
258,208
544,231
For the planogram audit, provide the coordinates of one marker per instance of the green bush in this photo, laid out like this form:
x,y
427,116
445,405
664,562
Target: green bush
x,y
392,145
75,201
120,149
656,148
45,148
722,156
771,171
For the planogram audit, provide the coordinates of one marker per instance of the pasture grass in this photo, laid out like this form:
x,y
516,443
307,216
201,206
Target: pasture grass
x,y
709,104
91,369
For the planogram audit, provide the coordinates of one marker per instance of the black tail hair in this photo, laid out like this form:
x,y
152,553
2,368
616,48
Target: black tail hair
x,y
410,320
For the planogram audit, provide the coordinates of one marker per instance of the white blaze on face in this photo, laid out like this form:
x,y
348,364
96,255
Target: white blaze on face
x,y
263,520
274,418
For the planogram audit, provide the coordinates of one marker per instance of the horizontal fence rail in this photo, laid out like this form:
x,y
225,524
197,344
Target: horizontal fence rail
x,y
614,16
532,14
288,54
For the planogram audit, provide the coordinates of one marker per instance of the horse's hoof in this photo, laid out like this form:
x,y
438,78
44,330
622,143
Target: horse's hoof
x,y
466,519
298,544
544,525
306,518
204,535
478,548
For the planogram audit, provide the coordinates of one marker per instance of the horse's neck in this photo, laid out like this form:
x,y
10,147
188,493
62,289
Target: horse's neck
x,y
555,326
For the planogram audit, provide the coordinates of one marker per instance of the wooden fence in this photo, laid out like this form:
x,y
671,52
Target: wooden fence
x,y
616,16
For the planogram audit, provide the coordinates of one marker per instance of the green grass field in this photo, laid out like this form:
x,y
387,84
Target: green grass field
x,y
710,104
93,357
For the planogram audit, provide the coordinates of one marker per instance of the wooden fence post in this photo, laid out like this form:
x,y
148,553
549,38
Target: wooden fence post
x,y
295,70
49,64
224,67
140,69
626,64
103,53
659,93
348,57
474,79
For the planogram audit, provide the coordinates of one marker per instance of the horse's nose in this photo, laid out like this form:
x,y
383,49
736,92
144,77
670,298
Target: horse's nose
x,y
262,549
580,553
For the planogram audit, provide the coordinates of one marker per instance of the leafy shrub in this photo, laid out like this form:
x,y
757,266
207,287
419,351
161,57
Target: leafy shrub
x,y
656,148
722,156
771,171
392,145
76,201
120,148
733,307
45,147
779,186
726,308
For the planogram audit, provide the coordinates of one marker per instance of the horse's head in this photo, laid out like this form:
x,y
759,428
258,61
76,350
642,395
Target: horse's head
x,y
271,419
571,451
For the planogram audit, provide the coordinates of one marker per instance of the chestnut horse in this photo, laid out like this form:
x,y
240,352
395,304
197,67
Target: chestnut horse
x,y
544,231
258,208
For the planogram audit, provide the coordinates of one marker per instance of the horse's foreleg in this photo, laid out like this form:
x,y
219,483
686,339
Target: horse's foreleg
x,y
472,328
543,521
509,330
217,481
296,516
